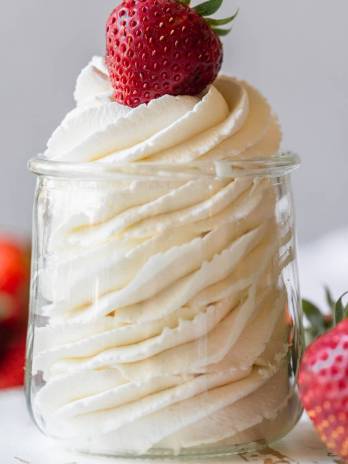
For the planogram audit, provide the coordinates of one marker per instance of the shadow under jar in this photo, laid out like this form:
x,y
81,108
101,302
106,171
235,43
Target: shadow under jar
x,y
165,310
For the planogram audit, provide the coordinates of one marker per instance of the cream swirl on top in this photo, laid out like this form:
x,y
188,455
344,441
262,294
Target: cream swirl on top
x,y
164,296
231,120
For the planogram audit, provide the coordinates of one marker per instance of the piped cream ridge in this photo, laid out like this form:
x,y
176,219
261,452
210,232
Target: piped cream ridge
x,y
165,298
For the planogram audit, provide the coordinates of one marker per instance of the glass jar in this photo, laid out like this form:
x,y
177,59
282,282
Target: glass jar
x,y
165,310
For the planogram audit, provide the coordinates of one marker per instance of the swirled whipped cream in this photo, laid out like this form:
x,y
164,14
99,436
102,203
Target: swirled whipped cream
x,y
164,297
232,119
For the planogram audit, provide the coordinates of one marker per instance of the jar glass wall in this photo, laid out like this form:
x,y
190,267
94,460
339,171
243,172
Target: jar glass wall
x,y
165,315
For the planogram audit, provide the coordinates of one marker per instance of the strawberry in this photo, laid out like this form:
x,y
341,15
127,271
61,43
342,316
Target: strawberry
x,y
158,47
12,362
12,265
14,276
323,380
14,280
10,310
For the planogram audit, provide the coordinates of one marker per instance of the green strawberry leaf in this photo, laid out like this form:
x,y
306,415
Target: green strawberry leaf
x,y
330,299
221,22
221,32
185,2
320,323
315,318
208,8
340,309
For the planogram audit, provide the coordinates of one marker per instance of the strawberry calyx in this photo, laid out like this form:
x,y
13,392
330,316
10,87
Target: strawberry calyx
x,y
208,8
320,321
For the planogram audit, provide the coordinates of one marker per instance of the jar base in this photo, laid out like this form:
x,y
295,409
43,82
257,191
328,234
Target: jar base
x,y
208,454
275,431
193,454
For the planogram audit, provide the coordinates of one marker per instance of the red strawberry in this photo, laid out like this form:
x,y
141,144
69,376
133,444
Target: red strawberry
x,y
10,310
12,265
158,47
13,280
323,385
12,362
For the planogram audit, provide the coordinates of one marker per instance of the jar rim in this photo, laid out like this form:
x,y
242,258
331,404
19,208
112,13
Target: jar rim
x,y
275,166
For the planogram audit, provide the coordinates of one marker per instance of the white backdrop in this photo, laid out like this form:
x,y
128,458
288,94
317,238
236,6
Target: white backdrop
x,y
295,51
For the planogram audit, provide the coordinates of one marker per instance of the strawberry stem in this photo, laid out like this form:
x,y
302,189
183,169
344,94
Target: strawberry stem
x,y
185,2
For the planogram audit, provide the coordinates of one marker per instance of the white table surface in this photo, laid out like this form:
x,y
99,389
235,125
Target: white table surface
x,y
21,443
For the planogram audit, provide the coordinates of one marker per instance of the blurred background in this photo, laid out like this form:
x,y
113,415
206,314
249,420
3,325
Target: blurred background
x,y
295,51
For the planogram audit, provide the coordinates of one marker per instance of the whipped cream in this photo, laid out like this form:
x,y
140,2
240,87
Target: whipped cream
x,y
164,297
231,120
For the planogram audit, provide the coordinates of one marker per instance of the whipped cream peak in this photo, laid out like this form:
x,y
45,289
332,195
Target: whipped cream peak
x,y
93,82
230,119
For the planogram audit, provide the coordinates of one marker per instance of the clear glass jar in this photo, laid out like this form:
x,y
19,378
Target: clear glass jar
x,y
165,311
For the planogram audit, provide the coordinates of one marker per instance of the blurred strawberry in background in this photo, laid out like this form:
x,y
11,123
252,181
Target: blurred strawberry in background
x,y
14,289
